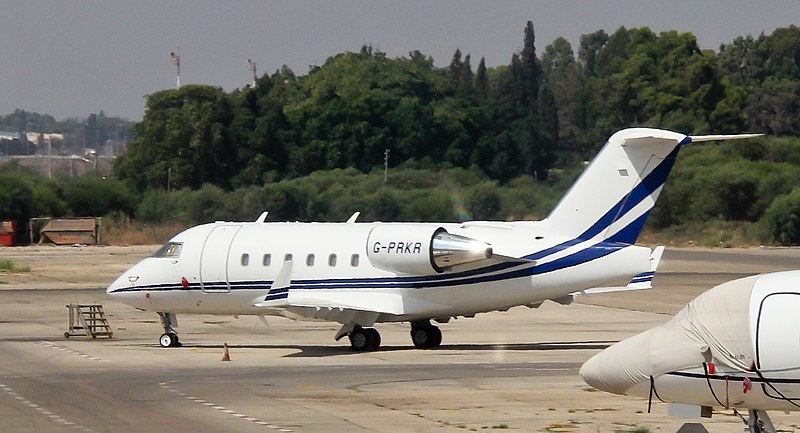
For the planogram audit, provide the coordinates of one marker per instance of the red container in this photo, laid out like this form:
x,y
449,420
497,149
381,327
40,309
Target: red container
x,y
7,233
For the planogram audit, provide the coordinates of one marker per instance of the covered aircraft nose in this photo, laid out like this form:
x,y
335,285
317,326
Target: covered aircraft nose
x,y
712,328
619,367
663,349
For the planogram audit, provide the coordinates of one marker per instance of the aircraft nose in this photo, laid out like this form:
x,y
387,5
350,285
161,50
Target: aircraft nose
x,y
620,366
590,373
128,279
603,372
117,284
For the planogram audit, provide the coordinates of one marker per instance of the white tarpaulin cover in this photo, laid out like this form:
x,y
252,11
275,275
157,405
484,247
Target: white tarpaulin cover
x,y
714,327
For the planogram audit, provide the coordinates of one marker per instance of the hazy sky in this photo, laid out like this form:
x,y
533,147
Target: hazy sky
x,y
71,58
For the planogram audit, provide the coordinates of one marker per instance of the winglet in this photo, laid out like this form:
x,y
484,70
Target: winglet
x,y
278,294
284,278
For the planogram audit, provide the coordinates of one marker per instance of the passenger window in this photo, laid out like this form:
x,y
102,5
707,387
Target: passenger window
x,y
288,257
266,260
354,260
245,259
310,260
332,260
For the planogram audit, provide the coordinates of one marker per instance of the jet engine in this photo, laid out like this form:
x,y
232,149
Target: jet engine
x,y
421,249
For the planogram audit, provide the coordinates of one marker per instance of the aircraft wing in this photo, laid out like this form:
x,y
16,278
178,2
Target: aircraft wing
x,y
322,305
365,313
380,303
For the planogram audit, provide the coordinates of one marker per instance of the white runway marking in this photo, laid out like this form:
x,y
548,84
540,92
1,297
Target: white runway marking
x,y
56,418
168,387
67,350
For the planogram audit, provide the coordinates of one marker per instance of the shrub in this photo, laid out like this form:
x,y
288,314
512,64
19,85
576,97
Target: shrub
x,y
781,221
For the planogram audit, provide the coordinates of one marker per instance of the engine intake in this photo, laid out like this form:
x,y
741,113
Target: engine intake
x,y
421,249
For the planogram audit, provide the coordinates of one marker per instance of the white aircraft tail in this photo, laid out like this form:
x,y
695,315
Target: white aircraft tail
x,y
613,197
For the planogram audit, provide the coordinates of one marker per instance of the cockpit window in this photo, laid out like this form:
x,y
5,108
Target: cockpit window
x,y
170,249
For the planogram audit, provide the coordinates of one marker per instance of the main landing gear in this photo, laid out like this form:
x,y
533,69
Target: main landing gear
x,y
425,336
364,339
169,321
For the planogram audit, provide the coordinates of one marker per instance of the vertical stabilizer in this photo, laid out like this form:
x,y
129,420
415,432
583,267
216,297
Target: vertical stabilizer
x,y
615,194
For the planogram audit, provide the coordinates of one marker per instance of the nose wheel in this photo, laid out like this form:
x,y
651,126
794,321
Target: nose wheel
x,y
170,336
169,340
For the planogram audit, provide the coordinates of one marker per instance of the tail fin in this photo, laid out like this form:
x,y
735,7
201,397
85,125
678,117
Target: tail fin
x,y
617,191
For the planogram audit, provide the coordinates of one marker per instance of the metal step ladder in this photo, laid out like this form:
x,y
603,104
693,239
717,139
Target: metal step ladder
x,y
89,320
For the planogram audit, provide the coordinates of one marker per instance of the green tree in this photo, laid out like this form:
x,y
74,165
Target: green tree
x,y
183,138
781,221
94,196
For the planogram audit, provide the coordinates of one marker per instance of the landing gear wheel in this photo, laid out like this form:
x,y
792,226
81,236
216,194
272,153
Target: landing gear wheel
x,y
169,340
426,337
364,339
376,338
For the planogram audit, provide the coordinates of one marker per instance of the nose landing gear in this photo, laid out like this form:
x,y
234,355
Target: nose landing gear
x,y
169,321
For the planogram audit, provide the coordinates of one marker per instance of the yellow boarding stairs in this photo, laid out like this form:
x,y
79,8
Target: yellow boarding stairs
x,y
89,320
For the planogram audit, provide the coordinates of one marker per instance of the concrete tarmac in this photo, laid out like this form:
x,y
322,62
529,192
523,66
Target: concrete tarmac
x,y
499,371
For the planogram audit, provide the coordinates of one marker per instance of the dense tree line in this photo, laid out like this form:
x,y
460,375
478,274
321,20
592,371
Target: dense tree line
x,y
488,143
537,112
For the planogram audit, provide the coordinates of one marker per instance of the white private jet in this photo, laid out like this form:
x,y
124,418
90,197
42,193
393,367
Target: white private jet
x,y
359,274
736,346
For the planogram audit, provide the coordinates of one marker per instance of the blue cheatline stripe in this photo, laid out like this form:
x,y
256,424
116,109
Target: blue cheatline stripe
x,y
578,258
619,240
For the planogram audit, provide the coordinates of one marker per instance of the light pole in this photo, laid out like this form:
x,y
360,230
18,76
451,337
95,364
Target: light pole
x,y
176,60
252,68
385,165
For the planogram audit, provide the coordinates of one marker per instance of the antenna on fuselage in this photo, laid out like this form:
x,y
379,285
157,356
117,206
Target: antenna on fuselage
x,y
263,217
353,217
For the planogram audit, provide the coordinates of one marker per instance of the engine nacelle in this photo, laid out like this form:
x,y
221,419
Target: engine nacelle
x,y
421,249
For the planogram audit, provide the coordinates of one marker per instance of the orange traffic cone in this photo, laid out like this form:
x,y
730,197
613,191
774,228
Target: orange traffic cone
x,y
226,356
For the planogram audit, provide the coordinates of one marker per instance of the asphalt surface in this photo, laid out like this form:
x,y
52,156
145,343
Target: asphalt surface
x,y
512,371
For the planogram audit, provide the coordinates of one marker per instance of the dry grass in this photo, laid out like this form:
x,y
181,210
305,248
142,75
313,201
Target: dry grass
x,y
710,234
132,233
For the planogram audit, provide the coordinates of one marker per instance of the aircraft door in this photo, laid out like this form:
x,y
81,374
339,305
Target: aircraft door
x,y
214,259
778,342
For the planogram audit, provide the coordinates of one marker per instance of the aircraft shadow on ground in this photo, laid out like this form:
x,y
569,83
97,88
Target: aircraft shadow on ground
x,y
323,351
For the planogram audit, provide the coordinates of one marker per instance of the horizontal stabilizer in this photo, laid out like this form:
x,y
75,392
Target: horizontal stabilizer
x,y
701,138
